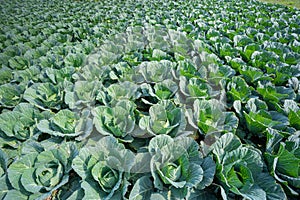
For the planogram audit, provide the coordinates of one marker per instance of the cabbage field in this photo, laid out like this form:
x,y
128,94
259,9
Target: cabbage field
x,y
139,100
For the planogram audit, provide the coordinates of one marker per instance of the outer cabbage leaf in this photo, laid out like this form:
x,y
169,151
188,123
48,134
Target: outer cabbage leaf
x,y
294,118
72,190
258,122
255,105
4,185
143,189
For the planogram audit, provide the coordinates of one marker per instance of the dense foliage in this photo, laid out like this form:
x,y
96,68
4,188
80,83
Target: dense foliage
x,y
149,100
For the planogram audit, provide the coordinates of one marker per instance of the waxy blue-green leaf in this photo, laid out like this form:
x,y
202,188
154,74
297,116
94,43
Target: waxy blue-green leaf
x,y
283,161
260,121
294,117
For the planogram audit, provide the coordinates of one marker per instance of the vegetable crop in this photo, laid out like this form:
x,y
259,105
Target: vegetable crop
x,y
149,100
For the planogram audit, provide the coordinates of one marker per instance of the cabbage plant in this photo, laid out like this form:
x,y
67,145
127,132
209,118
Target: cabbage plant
x,y
19,124
11,94
156,71
81,94
45,95
37,174
177,167
104,167
117,121
194,88
241,170
164,118
238,89
166,89
283,160
66,123
209,117
113,93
